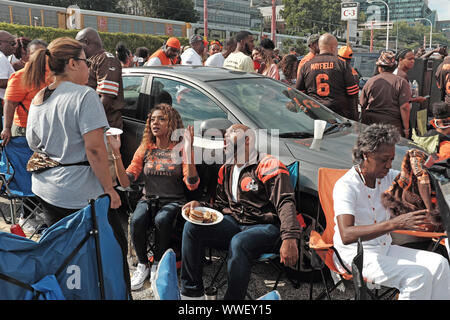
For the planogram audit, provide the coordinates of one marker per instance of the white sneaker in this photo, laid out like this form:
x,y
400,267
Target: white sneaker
x,y
139,276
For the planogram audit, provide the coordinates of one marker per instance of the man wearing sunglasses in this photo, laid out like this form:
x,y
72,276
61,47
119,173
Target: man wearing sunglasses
x,y
7,48
105,76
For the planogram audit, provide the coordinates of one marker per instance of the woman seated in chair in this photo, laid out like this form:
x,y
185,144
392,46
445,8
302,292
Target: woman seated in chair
x,y
163,178
359,212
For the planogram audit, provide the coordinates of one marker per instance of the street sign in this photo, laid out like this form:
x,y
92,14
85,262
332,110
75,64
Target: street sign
x,y
349,11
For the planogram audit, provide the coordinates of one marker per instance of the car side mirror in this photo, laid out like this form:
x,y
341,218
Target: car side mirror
x,y
216,123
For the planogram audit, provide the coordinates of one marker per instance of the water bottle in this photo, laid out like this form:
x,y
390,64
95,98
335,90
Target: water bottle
x,y
414,89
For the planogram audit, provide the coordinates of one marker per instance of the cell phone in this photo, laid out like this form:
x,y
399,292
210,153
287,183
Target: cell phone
x,y
427,97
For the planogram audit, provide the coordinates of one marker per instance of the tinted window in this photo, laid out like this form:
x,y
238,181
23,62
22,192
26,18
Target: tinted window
x,y
131,91
189,102
274,105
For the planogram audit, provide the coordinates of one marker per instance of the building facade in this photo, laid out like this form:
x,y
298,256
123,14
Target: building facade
x,y
405,10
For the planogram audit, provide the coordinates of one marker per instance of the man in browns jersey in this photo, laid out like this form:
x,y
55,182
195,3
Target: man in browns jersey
x,y
443,79
257,200
105,76
329,80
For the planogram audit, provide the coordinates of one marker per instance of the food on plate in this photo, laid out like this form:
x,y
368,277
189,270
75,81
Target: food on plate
x,y
201,216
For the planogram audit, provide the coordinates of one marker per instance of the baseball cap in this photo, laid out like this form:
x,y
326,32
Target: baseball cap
x,y
345,52
313,38
173,42
195,38
387,59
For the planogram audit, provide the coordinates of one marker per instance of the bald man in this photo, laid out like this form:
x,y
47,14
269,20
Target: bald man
x,y
258,203
7,48
105,76
329,80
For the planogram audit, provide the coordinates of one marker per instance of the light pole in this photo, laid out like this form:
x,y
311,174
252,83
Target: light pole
x,y
387,24
274,21
431,27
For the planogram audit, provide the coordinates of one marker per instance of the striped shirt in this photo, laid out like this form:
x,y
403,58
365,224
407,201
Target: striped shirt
x,y
105,77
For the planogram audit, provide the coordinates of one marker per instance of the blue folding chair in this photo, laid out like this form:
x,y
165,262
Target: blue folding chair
x,y
15,181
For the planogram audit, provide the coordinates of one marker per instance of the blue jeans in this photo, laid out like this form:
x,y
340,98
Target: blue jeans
x,y
244,244
141,222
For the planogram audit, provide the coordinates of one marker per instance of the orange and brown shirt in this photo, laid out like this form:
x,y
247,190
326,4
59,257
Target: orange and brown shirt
x,y
162,175
105,77
264,196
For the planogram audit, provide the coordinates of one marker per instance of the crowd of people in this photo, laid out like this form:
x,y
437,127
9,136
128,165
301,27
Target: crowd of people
x,y
65,95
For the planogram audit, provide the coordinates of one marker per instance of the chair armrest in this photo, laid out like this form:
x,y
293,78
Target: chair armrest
x,y
316,242
421,234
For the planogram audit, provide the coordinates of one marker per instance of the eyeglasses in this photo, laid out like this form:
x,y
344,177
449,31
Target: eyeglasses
x,y
88,63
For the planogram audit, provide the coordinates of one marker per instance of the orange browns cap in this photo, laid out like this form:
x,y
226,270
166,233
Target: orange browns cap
x,y
345,52
173,42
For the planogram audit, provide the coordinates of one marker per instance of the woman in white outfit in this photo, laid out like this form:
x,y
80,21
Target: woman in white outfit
x,y
359,213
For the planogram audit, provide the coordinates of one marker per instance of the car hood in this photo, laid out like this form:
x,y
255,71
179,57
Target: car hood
x,y
335,152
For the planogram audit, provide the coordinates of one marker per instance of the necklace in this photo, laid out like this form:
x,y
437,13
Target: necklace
x,y
377,184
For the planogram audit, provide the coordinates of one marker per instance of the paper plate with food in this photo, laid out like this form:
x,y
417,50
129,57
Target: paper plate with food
x,y
202,216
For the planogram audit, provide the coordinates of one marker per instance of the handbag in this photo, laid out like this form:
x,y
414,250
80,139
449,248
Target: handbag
x,y
40,162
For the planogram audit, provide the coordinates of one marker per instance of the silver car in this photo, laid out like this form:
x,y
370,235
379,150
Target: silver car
x,y
204,93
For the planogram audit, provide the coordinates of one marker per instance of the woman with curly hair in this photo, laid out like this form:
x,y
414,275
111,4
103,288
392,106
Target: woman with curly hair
x,y
360,214
288,69
163,176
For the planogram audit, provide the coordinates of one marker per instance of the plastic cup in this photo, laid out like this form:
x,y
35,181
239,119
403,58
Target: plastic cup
x,y
319,128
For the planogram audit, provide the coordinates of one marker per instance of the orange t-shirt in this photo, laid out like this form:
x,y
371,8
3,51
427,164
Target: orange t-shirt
x,y
16,92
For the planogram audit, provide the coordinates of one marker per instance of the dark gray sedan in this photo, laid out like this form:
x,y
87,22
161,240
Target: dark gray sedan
x,y
203,93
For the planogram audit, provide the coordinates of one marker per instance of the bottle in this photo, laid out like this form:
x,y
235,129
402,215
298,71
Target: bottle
x,y
414,89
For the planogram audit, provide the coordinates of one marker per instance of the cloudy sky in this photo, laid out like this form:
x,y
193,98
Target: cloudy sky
x,y
442,7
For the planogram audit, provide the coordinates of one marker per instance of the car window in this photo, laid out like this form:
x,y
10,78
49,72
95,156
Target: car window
x,y
274,105
192,104
131,91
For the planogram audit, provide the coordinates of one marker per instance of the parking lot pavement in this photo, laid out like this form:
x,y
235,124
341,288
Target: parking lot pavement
x,y
262,279
261,282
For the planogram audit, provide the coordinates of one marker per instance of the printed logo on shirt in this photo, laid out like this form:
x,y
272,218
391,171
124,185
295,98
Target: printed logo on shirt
x,y
248,184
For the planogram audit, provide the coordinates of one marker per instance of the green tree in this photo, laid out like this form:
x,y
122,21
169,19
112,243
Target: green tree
x,y
410,35
312,16
96,5
182,10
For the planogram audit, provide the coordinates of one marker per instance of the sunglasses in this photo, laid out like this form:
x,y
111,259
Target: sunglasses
x,y
442,123
88,63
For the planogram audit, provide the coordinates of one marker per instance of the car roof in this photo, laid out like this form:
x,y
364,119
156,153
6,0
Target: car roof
x,y
199,73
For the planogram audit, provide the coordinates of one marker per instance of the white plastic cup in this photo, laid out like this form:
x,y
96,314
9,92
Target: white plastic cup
x,y
319,128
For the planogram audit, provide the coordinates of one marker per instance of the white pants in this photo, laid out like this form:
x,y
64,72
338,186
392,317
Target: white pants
x,y
417,274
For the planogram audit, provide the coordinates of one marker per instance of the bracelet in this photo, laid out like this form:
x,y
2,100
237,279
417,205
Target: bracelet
x,y
406,129
116,157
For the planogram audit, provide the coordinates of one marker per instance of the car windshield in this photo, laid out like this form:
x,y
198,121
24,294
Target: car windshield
x,y
274,105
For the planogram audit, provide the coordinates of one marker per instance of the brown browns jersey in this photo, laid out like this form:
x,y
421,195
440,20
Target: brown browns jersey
x,y
105,76
330,81
443,79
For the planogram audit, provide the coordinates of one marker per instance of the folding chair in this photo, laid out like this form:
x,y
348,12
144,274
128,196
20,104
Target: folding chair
x,y
271,258
82,256
15,182
322,245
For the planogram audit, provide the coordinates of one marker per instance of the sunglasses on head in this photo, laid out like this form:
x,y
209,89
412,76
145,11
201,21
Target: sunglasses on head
x,y
442,123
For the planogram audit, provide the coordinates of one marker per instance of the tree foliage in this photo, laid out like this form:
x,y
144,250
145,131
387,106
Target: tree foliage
x,y
311,16
96,5
182,10
410,35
